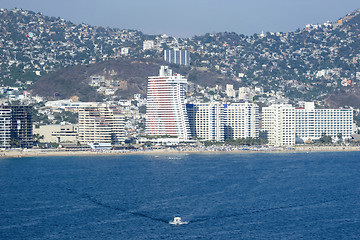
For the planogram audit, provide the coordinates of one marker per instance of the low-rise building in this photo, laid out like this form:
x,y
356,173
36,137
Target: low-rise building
x,y
58,133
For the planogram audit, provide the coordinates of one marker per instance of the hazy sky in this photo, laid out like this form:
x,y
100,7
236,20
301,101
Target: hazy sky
x,y
186,18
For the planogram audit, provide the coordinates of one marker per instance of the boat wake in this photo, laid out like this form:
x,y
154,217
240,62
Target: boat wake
x,y
199,219
182,223
104,205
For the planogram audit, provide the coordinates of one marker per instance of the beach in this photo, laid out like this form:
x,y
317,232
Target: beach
x,y
15,153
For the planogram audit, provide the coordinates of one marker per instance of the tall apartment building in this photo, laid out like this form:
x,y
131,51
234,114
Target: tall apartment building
x,y
19,119
241,120
279,124
101,124
206,120
5,128
312,123
166,111
176,56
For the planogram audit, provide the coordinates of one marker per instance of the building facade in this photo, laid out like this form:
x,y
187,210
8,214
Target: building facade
x,y
312,123
230,91
206,120
286,125
166,111
278,124
101,124
21,126
241,120
176,56
57,133
5,128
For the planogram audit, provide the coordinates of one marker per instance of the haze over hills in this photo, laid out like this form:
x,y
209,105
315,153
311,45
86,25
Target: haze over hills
x,y
52,55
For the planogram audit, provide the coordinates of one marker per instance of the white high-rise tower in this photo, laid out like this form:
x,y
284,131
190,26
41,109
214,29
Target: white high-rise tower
x,y
166,111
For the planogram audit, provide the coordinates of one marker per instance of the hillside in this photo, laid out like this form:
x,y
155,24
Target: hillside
x,y
131,76
313,63
343,98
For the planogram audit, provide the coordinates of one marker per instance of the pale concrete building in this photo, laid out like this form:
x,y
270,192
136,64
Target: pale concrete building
x,y
230,91
58,133
279,124
241,120
177,56
101,123
312,123
148,45
206,120
244,93
67,105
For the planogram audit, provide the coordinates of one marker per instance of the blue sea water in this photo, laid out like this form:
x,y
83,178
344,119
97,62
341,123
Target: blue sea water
x,y
223,196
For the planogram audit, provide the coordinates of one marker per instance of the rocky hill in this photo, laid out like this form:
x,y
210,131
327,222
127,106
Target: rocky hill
x,y
130,76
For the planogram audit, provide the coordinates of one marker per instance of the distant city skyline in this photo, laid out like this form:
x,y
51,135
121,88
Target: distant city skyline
x,y
188,18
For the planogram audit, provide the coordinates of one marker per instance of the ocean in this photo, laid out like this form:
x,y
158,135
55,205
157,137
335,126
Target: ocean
x,y
222,196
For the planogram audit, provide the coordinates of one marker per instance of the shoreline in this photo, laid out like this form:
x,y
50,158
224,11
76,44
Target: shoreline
x,y
211,150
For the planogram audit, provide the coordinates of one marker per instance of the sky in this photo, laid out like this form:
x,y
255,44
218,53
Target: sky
x,y
187,18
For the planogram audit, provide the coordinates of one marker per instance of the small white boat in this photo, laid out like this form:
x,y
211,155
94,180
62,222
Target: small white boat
x,y
177,220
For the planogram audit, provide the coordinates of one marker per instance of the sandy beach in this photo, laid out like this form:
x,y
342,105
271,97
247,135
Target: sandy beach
x,y
59,152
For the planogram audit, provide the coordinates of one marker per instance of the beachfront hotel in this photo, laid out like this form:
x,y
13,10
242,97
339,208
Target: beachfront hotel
x,y
241,120
5,127
101,124
166,111
278,124
284,124
206,120
312,123
21,126
218,121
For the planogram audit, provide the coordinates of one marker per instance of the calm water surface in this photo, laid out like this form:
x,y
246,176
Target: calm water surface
x,y
223,196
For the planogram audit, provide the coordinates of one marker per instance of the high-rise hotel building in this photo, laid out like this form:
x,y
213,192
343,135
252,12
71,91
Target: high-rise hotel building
x,y
101,124
241,120
217,121
279,124
312,123
16,127
286,125
206,120
166,111
5,127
